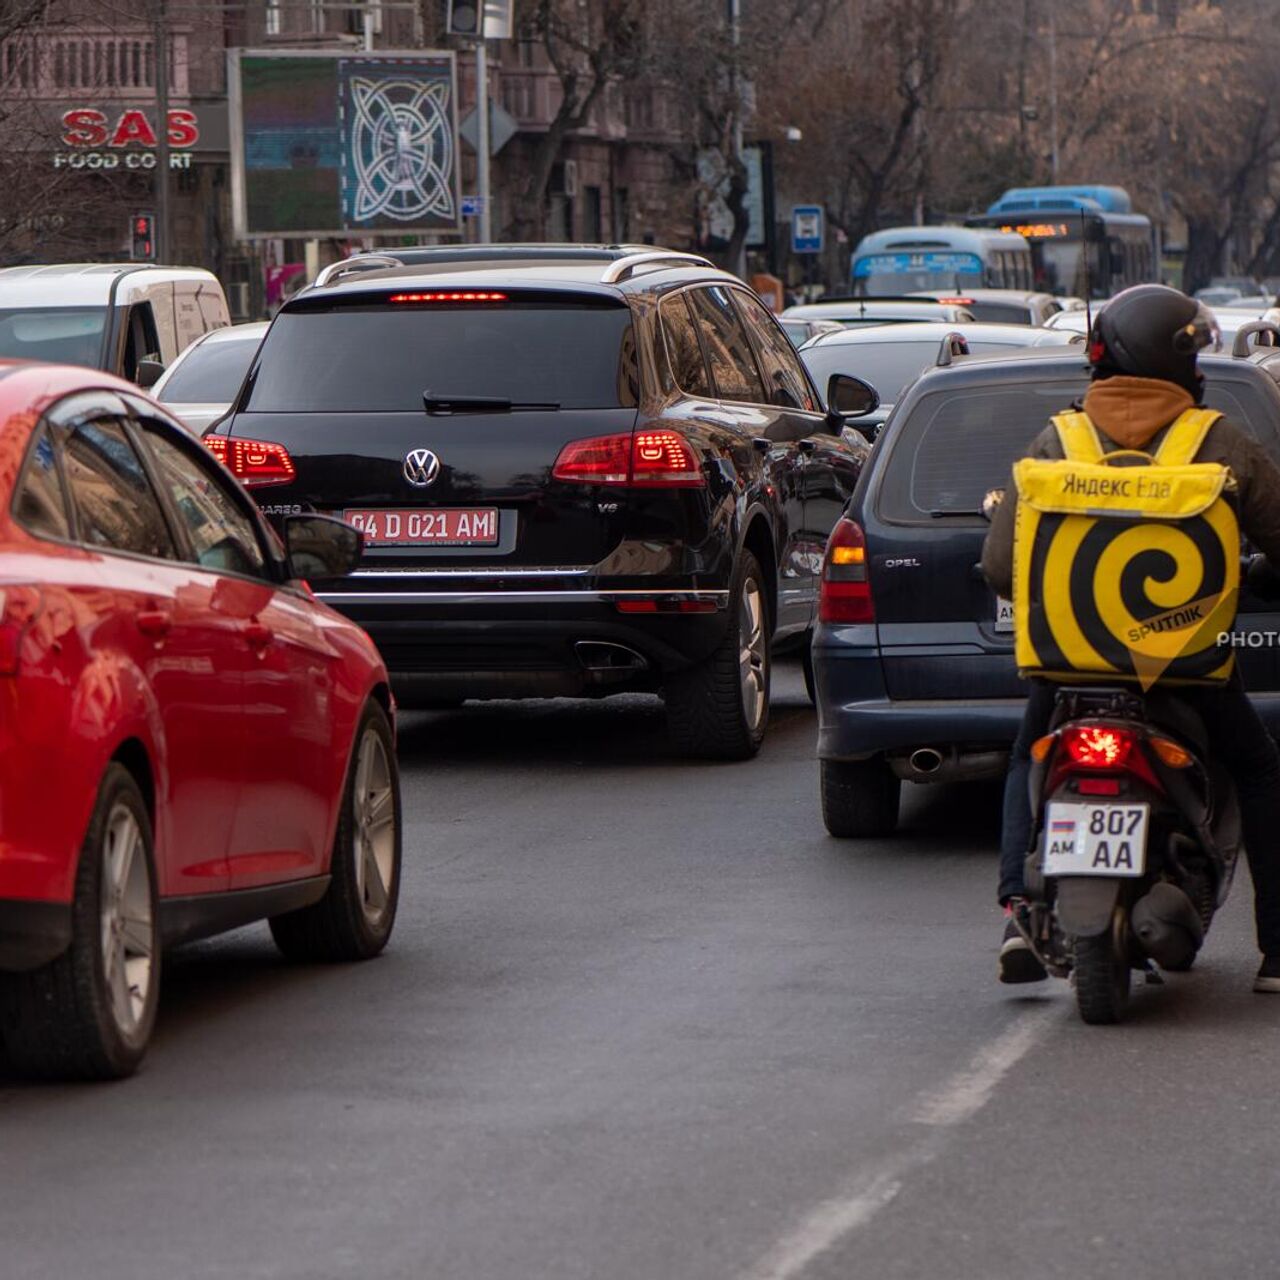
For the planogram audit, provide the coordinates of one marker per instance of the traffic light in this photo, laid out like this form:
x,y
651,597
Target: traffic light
x,y
143,227
465,17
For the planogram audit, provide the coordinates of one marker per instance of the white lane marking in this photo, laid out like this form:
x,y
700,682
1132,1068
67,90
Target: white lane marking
x,y
958,1100
967,1092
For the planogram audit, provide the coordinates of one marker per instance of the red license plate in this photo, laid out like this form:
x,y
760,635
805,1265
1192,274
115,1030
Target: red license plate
x,y
451,527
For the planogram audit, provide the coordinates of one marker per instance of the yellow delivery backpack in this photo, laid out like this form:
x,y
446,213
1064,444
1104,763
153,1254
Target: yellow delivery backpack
x,y
1126,566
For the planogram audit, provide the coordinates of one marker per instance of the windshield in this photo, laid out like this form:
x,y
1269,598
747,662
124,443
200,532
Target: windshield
x,y
381,357
65,335
211,373
892,274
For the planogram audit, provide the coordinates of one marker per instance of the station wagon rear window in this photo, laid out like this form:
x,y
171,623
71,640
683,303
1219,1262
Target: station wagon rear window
x,y
958,444
381,356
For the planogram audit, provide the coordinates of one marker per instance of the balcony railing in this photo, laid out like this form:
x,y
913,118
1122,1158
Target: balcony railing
x,y
120,64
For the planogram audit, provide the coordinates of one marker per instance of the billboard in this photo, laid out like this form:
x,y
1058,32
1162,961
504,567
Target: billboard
x,y
340,144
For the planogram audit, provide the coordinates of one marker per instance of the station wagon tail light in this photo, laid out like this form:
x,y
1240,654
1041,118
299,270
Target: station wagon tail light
x,y
19,608
845,593
1098,746
642,459
253,462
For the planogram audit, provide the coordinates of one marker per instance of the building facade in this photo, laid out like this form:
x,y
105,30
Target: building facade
x,y
81,113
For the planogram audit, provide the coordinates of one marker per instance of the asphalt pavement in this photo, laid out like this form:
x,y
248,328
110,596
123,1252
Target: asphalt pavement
x,y
643,1020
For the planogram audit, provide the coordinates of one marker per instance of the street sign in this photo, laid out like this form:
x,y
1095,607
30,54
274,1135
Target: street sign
x,y
502,128
472,206
806,228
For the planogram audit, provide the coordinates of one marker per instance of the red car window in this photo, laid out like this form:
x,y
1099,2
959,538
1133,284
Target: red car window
x,y
113,499
40,506
222,536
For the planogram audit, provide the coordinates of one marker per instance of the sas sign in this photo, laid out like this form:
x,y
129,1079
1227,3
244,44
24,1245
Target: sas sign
x,y
87,127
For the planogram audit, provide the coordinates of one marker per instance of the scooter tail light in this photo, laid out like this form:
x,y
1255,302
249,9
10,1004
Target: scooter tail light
x,y
845,591
253,462
19,608
1098,746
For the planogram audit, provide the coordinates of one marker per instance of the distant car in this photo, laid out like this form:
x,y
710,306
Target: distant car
x,y
854,312
1004,306
800,331
190,741
202,382
127,318
890,358
913,654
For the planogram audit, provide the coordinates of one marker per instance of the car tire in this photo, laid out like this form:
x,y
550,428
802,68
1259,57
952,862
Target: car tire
x,y
719,710
89,1014
354,919
859,798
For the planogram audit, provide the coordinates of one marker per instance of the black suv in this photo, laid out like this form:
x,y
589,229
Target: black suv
x,y
575,475
913,657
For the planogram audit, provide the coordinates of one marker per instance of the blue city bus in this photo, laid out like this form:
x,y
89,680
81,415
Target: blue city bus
x,y
1085,241
905,260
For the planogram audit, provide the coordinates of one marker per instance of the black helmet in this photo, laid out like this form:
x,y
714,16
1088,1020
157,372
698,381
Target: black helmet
x,y
1152,331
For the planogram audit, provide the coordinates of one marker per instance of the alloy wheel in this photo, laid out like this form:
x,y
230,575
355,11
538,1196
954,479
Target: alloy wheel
x,y
374,827
752,653
128,934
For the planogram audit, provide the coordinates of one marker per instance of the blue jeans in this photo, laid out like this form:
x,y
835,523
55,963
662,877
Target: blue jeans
x,y
1237,739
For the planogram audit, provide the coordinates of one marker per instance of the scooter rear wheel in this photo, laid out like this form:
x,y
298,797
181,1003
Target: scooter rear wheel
x,y
1102,974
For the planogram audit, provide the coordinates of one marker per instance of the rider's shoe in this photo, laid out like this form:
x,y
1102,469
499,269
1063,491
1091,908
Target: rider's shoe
x,y
1018,962
1268,979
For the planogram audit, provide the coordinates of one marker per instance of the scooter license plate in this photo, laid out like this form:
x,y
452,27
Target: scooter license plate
x,y
1095,839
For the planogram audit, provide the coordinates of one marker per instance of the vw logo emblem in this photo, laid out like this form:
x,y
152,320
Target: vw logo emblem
x,y
421,467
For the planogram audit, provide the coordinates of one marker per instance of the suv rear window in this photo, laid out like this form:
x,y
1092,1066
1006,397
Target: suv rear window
x,y
379,356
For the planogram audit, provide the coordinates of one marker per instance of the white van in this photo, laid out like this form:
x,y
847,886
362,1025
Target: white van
x,y
128,318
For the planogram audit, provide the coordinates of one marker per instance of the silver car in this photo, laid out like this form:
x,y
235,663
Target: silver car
x,y
201,383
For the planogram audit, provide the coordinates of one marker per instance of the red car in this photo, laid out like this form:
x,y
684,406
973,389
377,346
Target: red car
x,y
189,741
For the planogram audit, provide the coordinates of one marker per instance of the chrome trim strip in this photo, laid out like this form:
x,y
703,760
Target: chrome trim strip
x,y
512,597
573,571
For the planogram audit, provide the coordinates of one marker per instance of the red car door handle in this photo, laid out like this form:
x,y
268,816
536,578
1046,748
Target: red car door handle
x,y
258,635
154,623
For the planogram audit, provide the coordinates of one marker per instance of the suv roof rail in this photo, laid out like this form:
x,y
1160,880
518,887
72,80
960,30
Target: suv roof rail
x,y
1240,346
625,267
953,344
348,266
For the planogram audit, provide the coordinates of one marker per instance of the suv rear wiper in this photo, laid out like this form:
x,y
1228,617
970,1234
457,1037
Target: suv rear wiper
x,y
476,404
956,511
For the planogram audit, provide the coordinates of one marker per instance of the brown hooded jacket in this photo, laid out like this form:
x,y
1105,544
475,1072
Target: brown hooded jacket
x,y
1131,413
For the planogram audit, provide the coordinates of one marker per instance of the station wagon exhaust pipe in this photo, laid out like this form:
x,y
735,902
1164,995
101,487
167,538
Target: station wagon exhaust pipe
x,y
933,764
925,760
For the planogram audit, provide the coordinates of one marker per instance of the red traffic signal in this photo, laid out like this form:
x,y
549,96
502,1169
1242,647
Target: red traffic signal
x,y
143,228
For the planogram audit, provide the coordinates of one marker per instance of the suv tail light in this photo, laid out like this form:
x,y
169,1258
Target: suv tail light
x,y
19,608
845,593
642,459
253,462
1098,746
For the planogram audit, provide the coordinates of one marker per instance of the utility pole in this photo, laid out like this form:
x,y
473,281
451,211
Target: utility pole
x,y
739,266
482,136
1053,91
160,60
